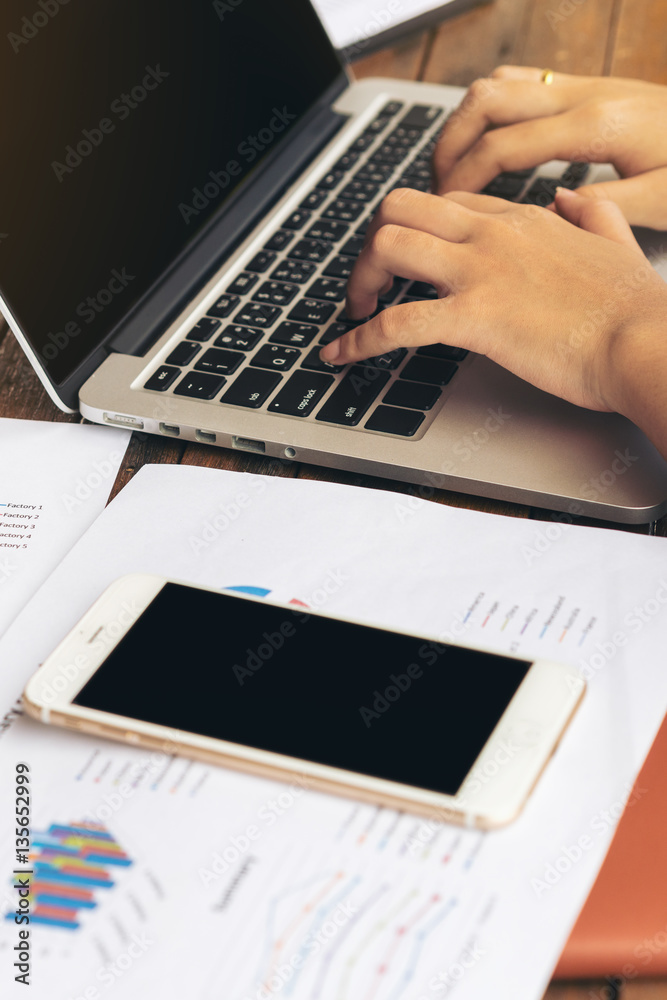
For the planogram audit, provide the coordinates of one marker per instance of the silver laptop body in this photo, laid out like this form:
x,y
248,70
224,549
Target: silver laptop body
x,y
434,418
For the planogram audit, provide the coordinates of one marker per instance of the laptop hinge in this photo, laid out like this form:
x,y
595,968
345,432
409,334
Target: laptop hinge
x,y
179,284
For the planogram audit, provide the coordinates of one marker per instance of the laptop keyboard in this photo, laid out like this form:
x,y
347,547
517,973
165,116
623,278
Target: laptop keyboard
x,y
259,343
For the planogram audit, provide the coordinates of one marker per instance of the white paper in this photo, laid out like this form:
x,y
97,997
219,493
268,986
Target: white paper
x,y
245,888
54,481
351,22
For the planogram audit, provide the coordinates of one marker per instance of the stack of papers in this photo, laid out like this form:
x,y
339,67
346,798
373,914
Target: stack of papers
x,y
223,884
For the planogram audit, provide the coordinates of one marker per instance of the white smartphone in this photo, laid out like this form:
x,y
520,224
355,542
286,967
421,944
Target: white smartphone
x,y
452,732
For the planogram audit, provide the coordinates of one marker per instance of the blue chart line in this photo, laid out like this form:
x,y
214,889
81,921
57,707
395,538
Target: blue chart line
x,y
417,948
316,925
271,915
340,939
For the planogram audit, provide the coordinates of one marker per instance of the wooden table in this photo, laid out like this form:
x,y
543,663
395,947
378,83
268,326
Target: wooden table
x,y
620,37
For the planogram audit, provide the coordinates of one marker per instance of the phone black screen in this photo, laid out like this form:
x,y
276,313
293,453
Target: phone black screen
x,y
353,697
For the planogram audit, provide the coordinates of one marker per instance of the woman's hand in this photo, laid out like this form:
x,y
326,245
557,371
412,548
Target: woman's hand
x,y
595,119
563,307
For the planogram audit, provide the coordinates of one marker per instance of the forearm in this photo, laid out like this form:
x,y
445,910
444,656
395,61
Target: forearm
x,y
639,377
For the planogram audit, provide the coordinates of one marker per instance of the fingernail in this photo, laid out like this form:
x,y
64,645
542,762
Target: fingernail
x,y
565,192
331,352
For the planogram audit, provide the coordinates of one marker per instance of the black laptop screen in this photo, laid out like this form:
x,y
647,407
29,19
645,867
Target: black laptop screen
x,y
124,127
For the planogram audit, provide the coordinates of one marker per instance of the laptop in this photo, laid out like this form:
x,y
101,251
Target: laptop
x,y
185,190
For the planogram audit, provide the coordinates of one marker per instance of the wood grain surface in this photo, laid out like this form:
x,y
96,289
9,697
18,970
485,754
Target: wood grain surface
x,y
622,37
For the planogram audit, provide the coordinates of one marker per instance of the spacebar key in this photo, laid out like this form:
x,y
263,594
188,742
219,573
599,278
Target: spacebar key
x,y
352,397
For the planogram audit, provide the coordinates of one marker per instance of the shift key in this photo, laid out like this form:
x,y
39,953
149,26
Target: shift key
x,y
352,397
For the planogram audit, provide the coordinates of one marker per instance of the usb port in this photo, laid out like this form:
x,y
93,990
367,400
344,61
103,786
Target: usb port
x,y
206,437
247,444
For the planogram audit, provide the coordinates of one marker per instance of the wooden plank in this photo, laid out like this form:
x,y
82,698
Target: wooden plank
x,y
640,41
471,45
403,60
23,395
567,36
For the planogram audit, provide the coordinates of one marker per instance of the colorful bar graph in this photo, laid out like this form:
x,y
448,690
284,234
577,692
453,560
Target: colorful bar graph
x,y
70,865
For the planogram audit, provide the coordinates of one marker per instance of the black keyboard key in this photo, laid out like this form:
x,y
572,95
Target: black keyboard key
x,y
251,388
504,186
256,314
329,289
574,174
276,293
403,138
311,311
333,332
421,116
294,334
224,306
261,262
293,270
418,169
376,173
301,394
391,109
443,351
297,219
204,329
363,228
414,395
200,385
389,361
313,200
359,191
392,155
330,180
353,395
280,240
275,357
328,230
390,420
219,362
311,250
378,124
347,160
238,338
315,364
242,283
345,211
415,183
340,267
162,378
422,290
183,353
541,192
361,143
429,370
353,246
